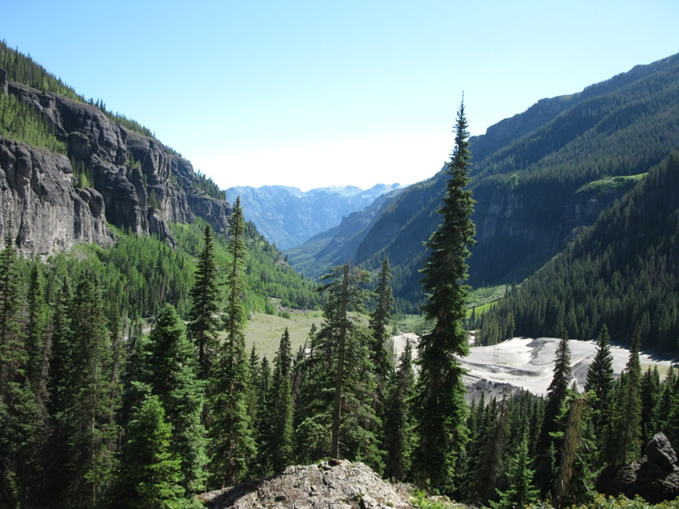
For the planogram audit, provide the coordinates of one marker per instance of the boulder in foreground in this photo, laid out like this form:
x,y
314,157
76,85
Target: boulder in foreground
x,y
333,484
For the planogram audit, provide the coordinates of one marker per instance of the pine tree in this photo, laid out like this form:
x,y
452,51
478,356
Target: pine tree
x,y
556,397
57,389
280,441
172,376
600,379
398,421
88,417
379,323
313,404
335,413
650,395
521,491
21,417
344,339
570,440
151,474
205,305
627,418
35,344
233,445
441,407
490,455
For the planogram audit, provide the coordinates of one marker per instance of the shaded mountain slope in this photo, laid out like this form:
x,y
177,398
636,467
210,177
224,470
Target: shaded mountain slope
x,y
534,178
622,271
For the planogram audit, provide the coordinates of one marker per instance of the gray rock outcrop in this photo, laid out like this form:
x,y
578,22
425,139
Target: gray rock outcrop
x,y
654,478
46,212
344,485
137,184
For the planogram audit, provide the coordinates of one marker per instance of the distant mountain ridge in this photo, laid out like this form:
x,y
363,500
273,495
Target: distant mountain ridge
x,y
539,178
288,216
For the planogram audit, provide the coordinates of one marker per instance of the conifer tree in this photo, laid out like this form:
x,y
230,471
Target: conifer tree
x,y
204,307
489,465
626,423
556,397
313,405
574,416
254,382
336,414
172,376
650,394
151,474
35,344
344,341
442,410
57,388
12,350
280,439
521,491
89,406
600,379
22,424
379,323
233,445
398,420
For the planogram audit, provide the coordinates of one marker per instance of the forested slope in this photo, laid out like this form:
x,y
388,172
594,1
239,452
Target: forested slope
x,y
622,271
538,178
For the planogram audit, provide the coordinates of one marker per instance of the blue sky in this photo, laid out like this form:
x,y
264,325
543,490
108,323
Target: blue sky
x,y
320,93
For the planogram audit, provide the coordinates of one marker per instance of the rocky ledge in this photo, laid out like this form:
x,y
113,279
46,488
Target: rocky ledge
x,y
109,175
333,484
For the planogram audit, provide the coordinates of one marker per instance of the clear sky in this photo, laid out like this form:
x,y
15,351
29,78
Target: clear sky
x,y
316,93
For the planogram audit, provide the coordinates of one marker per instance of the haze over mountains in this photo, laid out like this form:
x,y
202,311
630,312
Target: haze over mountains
x,y
289,217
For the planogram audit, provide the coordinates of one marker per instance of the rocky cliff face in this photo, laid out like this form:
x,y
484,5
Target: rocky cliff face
x,y
47,213
137,184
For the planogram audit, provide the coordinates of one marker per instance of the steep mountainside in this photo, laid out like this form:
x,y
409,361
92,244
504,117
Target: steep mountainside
x,y
622,271
538,178
106,173
289,217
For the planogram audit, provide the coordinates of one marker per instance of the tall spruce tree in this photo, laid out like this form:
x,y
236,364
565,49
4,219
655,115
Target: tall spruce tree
x,y
626,421
557,391
89,412
441,408
345,341
172,376
204,307
379,323
398,420
150,475
521,491
19,418
573,416
600,379
335,414
35,342
61,343
233,445
280,438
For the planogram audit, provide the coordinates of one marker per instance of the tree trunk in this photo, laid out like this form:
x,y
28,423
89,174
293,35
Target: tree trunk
x,y
336,415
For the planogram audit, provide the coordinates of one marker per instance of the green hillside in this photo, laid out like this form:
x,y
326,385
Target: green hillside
x,y
622,271
538,179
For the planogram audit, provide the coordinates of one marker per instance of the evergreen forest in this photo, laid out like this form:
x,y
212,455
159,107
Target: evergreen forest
x,y
125,380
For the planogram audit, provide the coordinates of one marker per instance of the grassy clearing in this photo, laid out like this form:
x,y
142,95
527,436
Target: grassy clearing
x,y
481,299
265,331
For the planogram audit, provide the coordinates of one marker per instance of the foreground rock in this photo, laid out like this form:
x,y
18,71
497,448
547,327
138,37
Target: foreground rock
x,y
343,485
654,478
